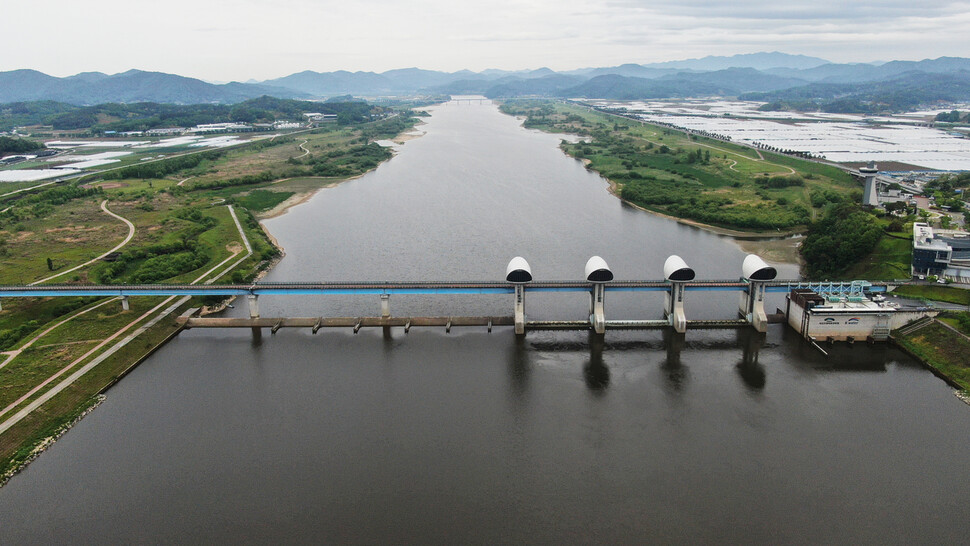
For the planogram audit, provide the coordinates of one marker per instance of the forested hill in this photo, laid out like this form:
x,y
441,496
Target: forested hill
x,y
149,115
132,86
902,93
10,145
790,81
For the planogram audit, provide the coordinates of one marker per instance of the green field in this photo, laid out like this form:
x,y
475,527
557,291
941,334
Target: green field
x,y
942,348
890,260
693,177
181,232
933,292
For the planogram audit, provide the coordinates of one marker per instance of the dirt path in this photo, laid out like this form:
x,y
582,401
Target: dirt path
x,y
14,353
53,391
131,233
761,158
184,181
305,151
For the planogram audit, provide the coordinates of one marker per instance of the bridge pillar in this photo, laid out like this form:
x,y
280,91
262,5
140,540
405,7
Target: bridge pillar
x,y
385,305
752,306
519,274
253,306
597,308
125,306
752,303
519,309
1,307
674,307
676,272
598,273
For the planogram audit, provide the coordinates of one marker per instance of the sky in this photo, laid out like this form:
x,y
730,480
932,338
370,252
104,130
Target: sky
x,y
225,40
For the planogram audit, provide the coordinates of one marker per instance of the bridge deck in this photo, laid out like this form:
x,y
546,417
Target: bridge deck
x,y
447,322
392,288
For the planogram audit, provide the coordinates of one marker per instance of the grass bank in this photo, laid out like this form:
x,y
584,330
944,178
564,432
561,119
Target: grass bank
x,y
692,177
945,350
935,292
183,231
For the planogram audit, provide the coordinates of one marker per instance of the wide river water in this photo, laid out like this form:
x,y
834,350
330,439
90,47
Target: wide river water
x,y
471,437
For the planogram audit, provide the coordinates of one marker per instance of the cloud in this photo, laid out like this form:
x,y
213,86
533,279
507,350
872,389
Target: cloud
x,y
242,39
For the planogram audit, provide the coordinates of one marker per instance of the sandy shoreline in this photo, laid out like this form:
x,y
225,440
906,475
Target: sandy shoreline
x,y
302,197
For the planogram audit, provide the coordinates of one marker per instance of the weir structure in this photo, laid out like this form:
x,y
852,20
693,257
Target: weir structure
x,y
758,279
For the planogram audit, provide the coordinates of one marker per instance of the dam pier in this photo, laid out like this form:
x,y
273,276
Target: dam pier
x,y
829,311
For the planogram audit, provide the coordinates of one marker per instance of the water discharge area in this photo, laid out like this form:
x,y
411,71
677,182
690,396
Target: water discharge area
x,y
646,436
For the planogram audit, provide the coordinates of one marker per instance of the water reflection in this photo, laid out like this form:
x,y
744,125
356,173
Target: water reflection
x,y
519,367
595,372
675,373
750,371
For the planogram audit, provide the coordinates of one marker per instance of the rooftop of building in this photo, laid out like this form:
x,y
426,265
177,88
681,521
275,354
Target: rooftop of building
x,y
926,237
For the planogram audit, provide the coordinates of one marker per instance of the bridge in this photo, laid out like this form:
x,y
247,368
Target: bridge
x,y
758,279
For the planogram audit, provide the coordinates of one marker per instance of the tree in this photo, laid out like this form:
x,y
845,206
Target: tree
x,y
50,264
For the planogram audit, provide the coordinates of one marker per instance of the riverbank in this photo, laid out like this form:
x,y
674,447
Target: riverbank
x,y
942,350
303,193
150,204
773,247
693,180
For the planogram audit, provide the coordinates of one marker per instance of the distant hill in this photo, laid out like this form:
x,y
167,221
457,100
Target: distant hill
x,y
142,116
758,61
616,87
132,86
856,73
341,82
779,76
551,85
904,92
732,81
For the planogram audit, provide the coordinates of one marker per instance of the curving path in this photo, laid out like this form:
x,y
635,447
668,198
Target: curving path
x,y
306,152
14,353
53,391
131,233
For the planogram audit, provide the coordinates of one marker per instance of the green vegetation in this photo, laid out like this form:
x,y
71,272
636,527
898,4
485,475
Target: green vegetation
x,y
889,260
842,237
142,116
935,292
905,92
260,200
39,205
181,232
10,145
942,348
953,116
691,176
160,169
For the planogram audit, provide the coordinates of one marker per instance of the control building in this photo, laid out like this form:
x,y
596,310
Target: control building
x,y
851,317
945,253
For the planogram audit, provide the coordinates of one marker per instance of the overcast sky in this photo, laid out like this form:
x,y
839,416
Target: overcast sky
x,y
242,39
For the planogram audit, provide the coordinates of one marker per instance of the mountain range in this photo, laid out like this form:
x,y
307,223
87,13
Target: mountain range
x,y
775,76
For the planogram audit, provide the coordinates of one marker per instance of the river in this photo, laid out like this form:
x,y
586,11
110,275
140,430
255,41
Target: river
x,y
471,437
